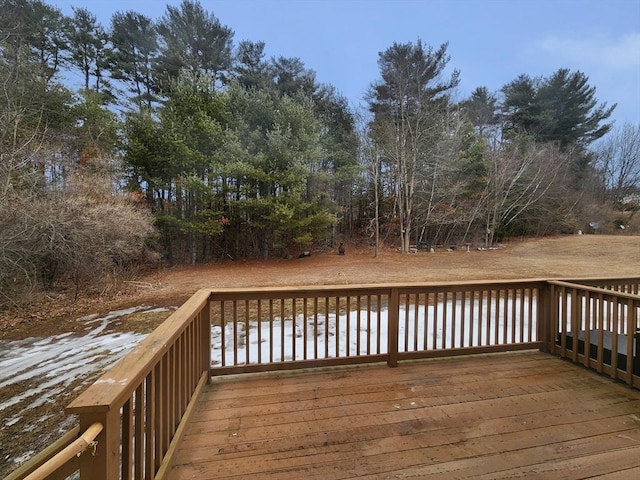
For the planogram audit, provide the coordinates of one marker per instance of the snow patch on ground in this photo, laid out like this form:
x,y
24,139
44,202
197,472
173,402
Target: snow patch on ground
x,y
49,366
419,329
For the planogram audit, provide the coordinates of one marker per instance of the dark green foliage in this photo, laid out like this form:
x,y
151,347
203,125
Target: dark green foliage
x,y
134,51
481,109
251,70
193,40
559,109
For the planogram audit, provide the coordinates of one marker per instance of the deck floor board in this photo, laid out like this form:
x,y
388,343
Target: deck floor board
x,y
493,416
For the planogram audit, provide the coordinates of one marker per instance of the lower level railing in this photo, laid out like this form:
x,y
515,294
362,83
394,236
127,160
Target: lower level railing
x,y
599,328
143,403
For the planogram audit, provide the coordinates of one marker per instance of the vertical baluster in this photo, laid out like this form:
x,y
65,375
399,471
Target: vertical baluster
x,y
127,440
532,296
259,320
481,316
337,335
445,310
489,315
425,339
282,329
315,327
521,313
436,319
563,319
348,329
179,381
150,430
223,335
576,321
601,328
173,390
326,327
614,337
294,328
416,320
587,329
454,317
472,316
506,305
247,334
358,324
159,417
379,321
271,330
405,345
463,319
496,331
234,319
369,325
304,320
514,317
192,351
139,442
163,409
631,328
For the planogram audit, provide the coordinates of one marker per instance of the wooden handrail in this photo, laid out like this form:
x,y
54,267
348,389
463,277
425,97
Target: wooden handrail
x,y
61,458
34,462
122,379
589,288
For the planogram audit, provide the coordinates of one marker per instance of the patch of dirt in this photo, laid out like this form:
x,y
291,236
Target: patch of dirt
x,y
558,257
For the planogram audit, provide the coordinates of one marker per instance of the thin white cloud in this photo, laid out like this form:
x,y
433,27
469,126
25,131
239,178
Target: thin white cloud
x,y
621,53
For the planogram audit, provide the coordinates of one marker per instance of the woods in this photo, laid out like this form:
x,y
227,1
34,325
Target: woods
x,y
182,143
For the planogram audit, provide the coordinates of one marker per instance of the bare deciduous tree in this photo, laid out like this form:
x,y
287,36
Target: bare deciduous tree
x,y
407,105
618,160
519,175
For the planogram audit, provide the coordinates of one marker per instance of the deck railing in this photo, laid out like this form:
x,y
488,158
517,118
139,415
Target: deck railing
x,y
142,401
272,329
599,327
145,400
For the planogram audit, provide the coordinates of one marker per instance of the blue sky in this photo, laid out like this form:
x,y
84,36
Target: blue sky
x,y
491,42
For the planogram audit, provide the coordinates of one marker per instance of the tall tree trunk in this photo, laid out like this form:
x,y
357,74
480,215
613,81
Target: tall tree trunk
x,y
192,248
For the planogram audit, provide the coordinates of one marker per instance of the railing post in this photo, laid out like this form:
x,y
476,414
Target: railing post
x,y
392,327
205,345
545,317
632,340
103,461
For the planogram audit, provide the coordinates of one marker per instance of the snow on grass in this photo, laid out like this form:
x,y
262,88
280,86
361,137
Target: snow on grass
x,y
419,329
48,366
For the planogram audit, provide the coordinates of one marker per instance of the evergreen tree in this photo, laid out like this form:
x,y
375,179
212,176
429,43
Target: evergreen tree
x,y
88,44
559,109
134,51
481,109
194,40
251,70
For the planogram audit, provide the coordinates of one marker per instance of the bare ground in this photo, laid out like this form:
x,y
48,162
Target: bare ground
x,y
558,257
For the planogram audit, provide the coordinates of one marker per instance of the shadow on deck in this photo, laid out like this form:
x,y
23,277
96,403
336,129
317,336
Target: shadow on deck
x,y
491,416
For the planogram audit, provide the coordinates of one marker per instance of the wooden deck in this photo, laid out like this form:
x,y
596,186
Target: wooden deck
x,y
496,416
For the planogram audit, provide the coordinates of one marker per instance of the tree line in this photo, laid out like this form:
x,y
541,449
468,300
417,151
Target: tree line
x,y
184,143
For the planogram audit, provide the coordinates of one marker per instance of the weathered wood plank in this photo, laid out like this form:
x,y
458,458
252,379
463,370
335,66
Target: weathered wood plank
x,y
496,415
